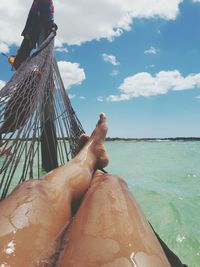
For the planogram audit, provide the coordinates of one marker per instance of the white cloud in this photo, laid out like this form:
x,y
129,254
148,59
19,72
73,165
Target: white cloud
x,y
144,84
152,50
97,19
71,96
71,73
100,99
12,20
114,73
82,97
2,84
59,46
61,49
81,21
4,48
111,59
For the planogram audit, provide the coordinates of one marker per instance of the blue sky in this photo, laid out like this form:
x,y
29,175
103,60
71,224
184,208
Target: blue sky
x,y
143,72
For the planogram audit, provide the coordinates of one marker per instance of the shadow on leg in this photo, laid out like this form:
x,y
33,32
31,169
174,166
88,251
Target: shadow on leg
x,y
110,230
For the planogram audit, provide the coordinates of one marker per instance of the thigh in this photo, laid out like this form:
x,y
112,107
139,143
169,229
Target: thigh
x,y
30,223
110,230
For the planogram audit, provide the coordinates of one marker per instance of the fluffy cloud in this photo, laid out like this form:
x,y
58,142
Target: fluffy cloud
x,y
88,20
100,99
59,46
71,73
152,50
111,59
71,96
12,20
114,73
4,48
2,84
61,49
81,21
144,84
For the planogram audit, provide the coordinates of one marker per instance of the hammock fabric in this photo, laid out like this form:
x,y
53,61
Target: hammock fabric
x,y
35,112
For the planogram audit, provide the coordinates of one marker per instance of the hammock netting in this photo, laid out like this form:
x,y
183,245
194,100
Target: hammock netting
x,y
37,122
38,125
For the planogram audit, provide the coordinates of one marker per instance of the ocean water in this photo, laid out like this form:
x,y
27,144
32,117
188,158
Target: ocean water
x,y
164,177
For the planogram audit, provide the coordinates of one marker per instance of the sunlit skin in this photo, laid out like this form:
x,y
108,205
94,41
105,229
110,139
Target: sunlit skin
x,y
110,230
33,216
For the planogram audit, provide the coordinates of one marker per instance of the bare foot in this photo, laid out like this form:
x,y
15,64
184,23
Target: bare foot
x,y
97,138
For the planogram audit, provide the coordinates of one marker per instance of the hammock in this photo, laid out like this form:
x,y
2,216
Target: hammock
x,y
37,122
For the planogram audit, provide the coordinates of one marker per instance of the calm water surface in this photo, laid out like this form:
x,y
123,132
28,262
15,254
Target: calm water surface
x,y
165,179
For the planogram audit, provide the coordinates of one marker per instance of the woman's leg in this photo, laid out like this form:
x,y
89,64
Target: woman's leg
x,y
110,230
36,212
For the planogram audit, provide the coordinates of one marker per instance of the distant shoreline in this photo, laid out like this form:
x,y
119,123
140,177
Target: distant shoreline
x,y
154,139
127,139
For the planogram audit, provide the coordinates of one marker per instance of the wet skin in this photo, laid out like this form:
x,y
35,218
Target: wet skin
x,y
34,215
110,230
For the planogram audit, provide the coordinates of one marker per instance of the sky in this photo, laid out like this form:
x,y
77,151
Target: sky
x,y
138,61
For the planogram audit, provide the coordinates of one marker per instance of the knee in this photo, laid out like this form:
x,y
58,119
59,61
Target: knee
x,y
115,180
108,179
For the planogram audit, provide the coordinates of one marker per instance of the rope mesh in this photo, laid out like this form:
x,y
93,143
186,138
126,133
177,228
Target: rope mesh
x,y
34,106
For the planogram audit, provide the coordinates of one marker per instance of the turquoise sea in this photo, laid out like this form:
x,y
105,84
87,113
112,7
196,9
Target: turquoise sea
x,y
164,177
